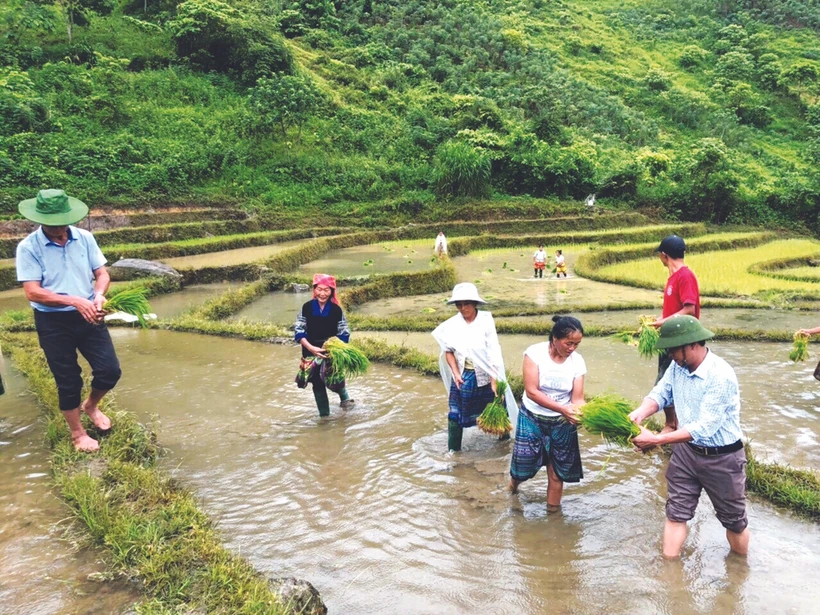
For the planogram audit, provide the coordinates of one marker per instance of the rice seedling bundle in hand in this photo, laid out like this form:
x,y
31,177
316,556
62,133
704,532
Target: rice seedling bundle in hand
x,y
608,416
346,361
647,338
800,349
494,420
130,301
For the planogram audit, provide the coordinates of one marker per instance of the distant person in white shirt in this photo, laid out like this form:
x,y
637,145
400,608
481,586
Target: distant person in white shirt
x,y
441,244
539,261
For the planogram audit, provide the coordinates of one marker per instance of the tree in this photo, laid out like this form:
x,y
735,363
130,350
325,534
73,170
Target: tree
x,y
286,101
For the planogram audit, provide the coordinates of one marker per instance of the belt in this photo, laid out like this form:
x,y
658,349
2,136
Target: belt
x,y
711,451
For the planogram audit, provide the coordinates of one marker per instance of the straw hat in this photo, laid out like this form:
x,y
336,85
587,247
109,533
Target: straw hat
x,y
680,331
53,208
466,291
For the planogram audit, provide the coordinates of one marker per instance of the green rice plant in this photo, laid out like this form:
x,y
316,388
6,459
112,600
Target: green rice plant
x,y
494,420
608,416
131,301
800,349
346,361
648,336
797,490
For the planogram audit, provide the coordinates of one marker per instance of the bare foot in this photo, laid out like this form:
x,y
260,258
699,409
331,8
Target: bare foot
x,y
85,443
101,422
553,508
512,487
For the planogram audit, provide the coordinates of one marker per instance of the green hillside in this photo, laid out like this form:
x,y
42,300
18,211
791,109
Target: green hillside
x,y
704,110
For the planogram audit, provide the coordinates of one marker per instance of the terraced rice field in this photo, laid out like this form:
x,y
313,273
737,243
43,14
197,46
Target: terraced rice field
x,y
725,272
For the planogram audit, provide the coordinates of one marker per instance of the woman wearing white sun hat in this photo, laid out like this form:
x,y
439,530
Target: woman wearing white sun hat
x,y
470,362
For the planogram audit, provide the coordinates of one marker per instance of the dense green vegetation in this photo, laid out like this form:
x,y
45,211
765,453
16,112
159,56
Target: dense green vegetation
x,y
705,110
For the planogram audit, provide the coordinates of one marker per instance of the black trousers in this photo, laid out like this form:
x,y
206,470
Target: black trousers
x,y
61,335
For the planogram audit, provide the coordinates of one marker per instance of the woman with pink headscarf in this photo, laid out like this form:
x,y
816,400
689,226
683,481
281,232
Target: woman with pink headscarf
x,y
320,319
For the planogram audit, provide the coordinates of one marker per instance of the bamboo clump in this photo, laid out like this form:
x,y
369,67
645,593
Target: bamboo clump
x,y
800,348
346,361
494,420
132,301
608,416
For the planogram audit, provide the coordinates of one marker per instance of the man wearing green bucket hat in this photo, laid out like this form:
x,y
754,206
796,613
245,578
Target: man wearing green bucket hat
x,y
707,447
64,276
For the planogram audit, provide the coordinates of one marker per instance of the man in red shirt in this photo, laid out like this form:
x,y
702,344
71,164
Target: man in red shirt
x,y
681,297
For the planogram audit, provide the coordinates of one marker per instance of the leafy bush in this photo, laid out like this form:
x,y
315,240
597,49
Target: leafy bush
x,y
461,170
213,35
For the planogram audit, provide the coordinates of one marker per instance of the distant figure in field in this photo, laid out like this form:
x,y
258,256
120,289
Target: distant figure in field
x,y
539,261
441,244
590,203
560,264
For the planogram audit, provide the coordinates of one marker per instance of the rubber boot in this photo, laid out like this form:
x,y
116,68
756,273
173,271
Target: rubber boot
x,y
320,395
535,273
454,434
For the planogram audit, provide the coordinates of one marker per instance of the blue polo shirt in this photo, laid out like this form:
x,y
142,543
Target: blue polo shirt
x,y
65,270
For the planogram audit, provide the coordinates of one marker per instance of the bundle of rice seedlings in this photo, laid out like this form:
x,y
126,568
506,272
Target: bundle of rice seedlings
x,y
130,301
800,349
494,419
608,416
647,338
627,337
347,361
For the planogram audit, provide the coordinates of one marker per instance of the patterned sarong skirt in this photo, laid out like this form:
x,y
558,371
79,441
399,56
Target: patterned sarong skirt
x,y
541,440
469,401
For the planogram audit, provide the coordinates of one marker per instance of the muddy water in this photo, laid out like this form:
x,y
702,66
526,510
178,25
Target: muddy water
x,y
730,318
386,257
173,304
40,572
369,507
231,257
278,307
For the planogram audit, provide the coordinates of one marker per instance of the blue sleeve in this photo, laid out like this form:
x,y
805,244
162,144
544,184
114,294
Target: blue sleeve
x,y
95,255
300,328
343,330
29,268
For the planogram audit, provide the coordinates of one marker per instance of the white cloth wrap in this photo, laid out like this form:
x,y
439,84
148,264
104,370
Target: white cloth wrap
x,y
477,341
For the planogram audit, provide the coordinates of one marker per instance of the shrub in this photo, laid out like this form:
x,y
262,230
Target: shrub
x,y
212,35
692,56
461,170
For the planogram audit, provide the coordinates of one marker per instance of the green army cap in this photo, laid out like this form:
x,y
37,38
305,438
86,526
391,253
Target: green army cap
x,y
680,331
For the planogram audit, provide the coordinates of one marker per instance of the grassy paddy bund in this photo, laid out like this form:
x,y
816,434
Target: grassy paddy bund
x,y
390,282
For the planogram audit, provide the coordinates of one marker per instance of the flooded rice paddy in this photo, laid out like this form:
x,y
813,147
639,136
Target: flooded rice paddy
x,y
370,508
231,257
278,307
173,304
41,573
386,257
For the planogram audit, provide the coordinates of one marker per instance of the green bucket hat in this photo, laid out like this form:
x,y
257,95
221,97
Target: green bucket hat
x,y
53,208
680,331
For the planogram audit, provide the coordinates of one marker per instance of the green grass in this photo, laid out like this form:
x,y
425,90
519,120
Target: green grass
x,y
797,490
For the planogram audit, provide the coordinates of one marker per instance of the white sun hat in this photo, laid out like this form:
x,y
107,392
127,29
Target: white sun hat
x,y
466,291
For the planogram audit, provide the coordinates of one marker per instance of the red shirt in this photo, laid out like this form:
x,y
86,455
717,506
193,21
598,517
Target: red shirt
x,y
681,288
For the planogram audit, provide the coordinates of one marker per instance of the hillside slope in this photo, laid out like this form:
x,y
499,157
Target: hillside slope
x,y
708,111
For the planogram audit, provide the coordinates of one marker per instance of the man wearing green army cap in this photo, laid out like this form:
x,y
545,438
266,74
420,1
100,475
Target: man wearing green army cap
x,y
707,447
64,276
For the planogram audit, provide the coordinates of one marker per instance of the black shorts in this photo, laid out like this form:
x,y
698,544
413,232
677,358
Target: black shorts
x,y
61,335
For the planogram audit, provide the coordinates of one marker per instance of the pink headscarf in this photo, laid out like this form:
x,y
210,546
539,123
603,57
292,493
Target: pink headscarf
x,y
325,280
